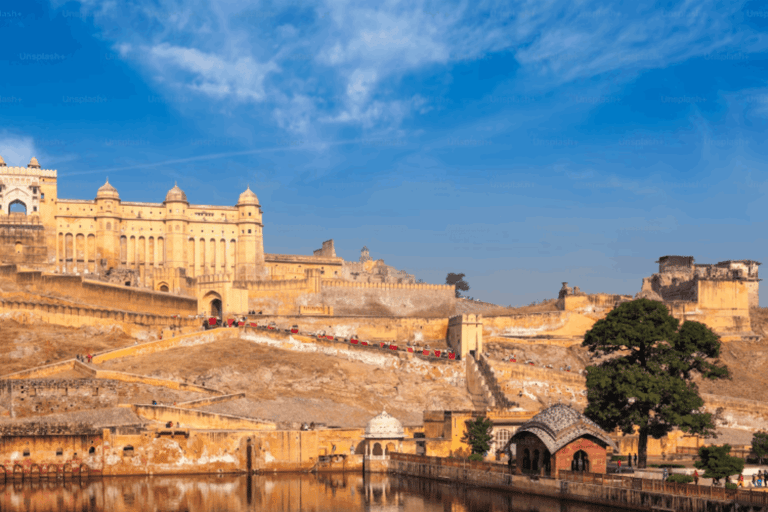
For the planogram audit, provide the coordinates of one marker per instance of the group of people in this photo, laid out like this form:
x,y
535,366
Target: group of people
x,y
629,461
84,358
253,312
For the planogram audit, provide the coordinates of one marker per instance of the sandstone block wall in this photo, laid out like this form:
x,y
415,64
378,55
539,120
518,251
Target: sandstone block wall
x,y
96,293
349,298
27,398
374,328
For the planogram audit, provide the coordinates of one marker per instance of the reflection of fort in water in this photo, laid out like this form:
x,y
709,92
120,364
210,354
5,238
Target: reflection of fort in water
x,y
273,493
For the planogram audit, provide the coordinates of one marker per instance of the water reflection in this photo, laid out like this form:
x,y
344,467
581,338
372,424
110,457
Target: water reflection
x,y
273,493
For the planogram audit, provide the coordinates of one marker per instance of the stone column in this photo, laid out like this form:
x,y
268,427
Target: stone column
x,y
74,253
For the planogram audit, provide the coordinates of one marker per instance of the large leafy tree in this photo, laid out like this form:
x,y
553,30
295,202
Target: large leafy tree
x,y
645,379
478,435
717,462
458,281
760,444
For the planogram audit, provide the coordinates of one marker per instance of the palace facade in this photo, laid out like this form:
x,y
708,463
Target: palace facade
x,y
214,253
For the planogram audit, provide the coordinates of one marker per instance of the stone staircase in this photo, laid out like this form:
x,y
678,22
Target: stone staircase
x,y
482,397
492,384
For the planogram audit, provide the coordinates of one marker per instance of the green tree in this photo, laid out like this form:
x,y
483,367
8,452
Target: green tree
x,y
478,435
717,462
760,444
458,281
646,378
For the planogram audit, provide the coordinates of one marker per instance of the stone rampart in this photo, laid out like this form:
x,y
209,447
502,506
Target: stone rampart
x,y
202,402
199,419
151,347
392,299
373,328
97,293
558,327
97,390
77,316
596,489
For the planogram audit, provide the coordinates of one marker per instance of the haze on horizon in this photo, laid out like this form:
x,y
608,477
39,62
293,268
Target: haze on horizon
x,y
523,144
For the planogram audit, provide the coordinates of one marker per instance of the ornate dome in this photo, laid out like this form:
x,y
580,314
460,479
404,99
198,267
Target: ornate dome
x,y
384,426
2,162
33,163
107,191
560,424
248,198
175,194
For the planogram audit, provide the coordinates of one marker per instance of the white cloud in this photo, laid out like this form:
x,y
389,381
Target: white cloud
x,y
17,150
241,79
294,56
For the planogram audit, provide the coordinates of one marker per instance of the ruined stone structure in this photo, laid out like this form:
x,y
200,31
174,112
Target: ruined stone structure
x,y
719,295
212,253
368,270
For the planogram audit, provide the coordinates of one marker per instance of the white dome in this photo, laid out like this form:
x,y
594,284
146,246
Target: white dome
x,y
384,426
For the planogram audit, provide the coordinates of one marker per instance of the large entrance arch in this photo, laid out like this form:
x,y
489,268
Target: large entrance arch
x,y
216,307
17,206
212,304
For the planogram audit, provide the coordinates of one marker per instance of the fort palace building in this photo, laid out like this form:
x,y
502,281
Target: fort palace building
x,y
213,253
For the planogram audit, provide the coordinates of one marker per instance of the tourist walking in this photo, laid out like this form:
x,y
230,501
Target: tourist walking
x,y
696,477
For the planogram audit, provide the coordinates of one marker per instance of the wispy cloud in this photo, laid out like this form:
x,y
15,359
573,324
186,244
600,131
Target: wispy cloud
x,y
337,61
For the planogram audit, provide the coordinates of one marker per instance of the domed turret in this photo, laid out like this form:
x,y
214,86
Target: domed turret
x,y
248,197
107,191
2,162
384,426
33,163
176,194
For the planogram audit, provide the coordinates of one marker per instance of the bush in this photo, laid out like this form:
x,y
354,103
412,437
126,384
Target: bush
x,y
476,457
729,485
680,479
622,458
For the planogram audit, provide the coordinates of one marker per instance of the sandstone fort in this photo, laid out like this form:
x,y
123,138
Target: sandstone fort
x,y
160,337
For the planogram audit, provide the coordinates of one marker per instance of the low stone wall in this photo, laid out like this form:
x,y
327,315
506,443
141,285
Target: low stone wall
x,y
78,316
100,293
151,347
200,419
628,494
373,328
202,402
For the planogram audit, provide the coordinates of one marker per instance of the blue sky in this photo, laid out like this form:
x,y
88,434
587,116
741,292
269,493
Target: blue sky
x,y
522,143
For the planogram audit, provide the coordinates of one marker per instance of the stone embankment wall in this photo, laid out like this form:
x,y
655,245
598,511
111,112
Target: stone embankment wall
x,y
285,297
549,384
349,297
35,397
29,312
563,328
373,328
96,293
630,496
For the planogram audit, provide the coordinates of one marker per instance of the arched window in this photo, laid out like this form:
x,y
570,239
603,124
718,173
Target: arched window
x,y
377,449
128,451
526,459
18,247
17,207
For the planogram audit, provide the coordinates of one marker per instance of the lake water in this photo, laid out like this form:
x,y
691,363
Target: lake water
x,y
277,493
